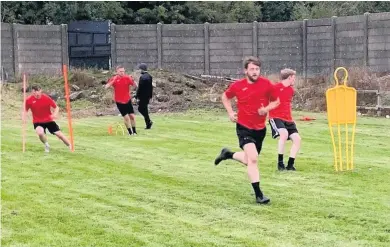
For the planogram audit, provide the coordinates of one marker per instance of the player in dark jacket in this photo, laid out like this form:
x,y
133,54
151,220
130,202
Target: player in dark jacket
x,y
144,94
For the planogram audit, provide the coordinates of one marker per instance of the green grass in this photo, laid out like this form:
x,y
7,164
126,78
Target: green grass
x,y
161,188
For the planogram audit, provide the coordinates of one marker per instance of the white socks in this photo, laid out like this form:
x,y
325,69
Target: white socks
x,y
47,147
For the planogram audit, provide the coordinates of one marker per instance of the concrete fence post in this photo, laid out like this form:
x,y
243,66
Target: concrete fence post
x,y
254,39
15,44
113,45
304,49
206,49
365,40
333,49
64,45
159,45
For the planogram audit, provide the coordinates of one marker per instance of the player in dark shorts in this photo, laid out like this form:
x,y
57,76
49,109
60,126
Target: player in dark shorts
x,y
253,95
121,84
40,105
281,121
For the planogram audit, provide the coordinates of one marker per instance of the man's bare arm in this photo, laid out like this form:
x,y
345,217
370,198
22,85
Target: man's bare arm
x,y
272,105
228,106
55,112
109,83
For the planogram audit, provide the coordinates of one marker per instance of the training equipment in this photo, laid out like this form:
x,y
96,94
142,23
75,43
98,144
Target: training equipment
x,y
24,110
341,109
67,96
118,128
306,118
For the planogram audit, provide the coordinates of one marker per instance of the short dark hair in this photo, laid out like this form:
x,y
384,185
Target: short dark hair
x,y
36,87
251,59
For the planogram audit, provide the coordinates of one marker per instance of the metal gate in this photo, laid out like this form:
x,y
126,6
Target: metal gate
x,y
89,44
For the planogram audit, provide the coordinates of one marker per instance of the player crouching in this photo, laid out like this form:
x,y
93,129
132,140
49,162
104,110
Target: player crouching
x,y
43,118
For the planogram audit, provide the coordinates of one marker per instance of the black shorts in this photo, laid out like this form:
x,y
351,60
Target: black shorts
x,y
51,126
246,136
125,109
277,123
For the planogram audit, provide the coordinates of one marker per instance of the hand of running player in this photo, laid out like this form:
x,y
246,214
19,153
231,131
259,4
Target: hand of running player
x,y
272,105
54,116
262,111
233,117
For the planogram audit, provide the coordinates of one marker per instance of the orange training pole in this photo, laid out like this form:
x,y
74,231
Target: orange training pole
x,y
23,114
65,72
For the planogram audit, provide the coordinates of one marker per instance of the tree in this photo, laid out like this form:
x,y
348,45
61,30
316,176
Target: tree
x,y
245,12
145,16
23,12
149,12
316,10
277,11
8,12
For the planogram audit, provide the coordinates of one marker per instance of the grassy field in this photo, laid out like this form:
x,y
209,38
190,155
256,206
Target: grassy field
x,y
161,188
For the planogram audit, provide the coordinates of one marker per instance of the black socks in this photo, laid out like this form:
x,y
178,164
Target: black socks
x,y
229,155
280,158
132,130
290,162
256,188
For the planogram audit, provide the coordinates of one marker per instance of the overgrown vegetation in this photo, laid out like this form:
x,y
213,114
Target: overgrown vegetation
x,y
168,12
172,92
310,95
177,92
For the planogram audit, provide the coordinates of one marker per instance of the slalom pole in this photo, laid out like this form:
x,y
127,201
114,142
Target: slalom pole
x,y
23,114
67,96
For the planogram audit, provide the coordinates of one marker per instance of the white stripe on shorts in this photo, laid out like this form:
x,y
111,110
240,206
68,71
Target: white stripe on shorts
x,y
273,126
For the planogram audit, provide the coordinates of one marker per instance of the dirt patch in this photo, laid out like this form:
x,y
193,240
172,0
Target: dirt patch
x,y
175,92
172,92
310,95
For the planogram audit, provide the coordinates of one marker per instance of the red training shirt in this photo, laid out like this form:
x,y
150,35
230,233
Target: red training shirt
x,y
285,94
250,98
40,108
121,88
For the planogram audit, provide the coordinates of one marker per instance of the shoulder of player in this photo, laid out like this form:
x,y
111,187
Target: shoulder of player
x,y
145,76
129,78
114,77
238,82
278,84
45,96
29,98
264,80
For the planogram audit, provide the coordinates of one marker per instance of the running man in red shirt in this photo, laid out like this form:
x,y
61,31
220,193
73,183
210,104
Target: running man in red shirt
x,y
281,121
43,118
122,96
253,95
